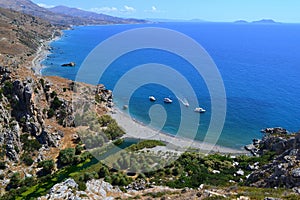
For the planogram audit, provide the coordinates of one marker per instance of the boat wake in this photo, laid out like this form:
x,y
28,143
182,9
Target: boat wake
x,y
184,101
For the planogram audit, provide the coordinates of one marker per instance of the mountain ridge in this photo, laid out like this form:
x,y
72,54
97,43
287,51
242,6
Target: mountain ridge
x,y
75,12
60,17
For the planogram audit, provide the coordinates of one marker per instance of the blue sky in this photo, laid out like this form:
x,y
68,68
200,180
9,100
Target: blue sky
x,y
210,10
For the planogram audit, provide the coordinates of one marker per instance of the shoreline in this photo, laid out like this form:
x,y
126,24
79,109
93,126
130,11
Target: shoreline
x,y
137,130
41,54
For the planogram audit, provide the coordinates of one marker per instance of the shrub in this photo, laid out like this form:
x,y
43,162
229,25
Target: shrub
x,y
105,120
47,165
30,145
67,156
27,159
15,180
81,185
50,113
113,131
2,165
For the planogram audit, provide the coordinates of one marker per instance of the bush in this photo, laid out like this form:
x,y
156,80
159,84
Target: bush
x,y
105,120
50,113
113,131
15,180
81,185
2,165
56,103
66,156
47,165
27,159
30,145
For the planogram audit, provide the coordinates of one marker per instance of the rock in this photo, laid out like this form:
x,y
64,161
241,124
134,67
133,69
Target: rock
x,y
64,190
51,140
137,185
277,131
240,172
296,190
100,189
71,64
296,173
13,144
243,198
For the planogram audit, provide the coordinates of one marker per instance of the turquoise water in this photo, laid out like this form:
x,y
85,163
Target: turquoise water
x,y
259,64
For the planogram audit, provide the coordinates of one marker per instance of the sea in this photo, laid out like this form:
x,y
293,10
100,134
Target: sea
x,y
259,65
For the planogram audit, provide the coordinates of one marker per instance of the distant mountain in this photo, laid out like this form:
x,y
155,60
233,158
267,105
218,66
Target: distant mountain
x,y
62,15
241,22
174,20
74,12
265,21
27,7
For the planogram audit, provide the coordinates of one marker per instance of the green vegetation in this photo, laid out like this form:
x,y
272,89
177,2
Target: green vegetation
x,y
146,144
30,144
47,165
66,156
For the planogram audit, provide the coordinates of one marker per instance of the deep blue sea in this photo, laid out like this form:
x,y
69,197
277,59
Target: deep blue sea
x,y
259,64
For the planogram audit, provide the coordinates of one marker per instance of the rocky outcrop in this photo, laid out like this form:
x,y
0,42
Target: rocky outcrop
x,y
284,170
95,189
105,96
22,93
13,144
50,139
275,139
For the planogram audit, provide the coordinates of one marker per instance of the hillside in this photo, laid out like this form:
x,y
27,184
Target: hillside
x,y
60,15
22,33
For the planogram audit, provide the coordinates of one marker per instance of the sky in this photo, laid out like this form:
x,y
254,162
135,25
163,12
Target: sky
x,y
209,10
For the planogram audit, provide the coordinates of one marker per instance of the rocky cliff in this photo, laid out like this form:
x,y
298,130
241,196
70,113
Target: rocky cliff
x,y
284,169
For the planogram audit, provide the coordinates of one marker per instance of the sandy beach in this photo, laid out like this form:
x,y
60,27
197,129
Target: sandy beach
x,y
41,55
137,130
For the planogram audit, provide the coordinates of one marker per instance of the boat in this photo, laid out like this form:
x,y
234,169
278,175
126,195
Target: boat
x,y
168,100
200,110
186,104
152,98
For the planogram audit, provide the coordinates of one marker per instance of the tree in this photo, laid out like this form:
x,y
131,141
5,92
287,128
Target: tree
x,y
105,120
67,156
47,165
113,131
103,172
15,180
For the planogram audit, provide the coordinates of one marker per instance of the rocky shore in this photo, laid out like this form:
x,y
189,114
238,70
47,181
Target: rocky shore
x,y
284,170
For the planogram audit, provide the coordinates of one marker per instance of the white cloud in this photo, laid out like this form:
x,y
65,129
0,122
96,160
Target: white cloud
x,y
109,10
105,10
45,5
154,9
129,9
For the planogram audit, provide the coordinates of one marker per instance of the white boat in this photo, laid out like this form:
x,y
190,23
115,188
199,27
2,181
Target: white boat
x,y
186,104
168,100
200,110
152,98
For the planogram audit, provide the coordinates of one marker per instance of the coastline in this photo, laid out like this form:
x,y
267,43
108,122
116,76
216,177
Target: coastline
x,y
137,130
41,54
